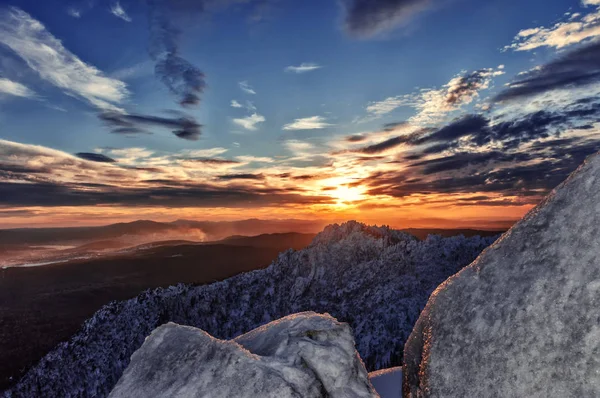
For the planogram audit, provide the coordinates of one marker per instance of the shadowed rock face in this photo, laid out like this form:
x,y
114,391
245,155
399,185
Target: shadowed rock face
x,y
522,320
301,355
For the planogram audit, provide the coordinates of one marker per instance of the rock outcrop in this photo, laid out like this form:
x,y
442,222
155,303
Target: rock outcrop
x,y
523,319
301,355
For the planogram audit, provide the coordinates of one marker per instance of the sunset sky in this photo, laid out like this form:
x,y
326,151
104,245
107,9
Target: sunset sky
x,y
412,113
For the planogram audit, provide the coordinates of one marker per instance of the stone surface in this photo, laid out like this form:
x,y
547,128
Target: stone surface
x,y
301,355
522,320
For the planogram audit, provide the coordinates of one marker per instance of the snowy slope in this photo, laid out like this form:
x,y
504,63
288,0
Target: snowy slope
x,y
523,320
376,279
301,355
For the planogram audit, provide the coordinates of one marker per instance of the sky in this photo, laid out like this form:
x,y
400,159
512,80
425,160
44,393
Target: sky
x,y
410,113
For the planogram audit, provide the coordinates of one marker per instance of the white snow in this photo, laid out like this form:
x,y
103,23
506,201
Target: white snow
x,y
301,355
387,382
523,319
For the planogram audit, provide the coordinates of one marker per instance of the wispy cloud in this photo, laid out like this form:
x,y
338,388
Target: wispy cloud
x,y
205,152
366,18
250,122
140,69
576,29
74,12
254,159
303,67
235,104
380,108
46,55
14,88
245,87
299,148
117,10
123,123
308,123
433,105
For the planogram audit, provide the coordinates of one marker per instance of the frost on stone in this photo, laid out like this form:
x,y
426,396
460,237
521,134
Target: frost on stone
x,y
302,355
523,320
374,278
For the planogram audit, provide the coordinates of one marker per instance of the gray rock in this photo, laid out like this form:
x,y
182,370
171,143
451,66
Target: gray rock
x,y
523,320
301,355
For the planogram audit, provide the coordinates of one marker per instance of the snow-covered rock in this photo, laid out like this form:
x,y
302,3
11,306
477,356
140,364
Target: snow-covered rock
x,y
387,382
523,320
302,355
374,278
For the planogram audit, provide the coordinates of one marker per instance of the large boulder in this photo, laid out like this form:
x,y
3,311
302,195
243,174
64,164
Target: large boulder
x,y
523,320
301,355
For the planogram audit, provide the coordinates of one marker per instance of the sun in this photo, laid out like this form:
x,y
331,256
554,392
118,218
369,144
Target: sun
x,y
345,194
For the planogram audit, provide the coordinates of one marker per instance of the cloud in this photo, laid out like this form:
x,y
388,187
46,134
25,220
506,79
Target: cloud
x,y
249,122
577,68
205,152
303,67
117,10
241,177
74,12
299,148
32,175
212,161
17,89
245,87
577,29
385,145
122,123
183,79
367,18
433,105
140,69
95,157
235,104
308,123
46,55
355,138
254,159
380,108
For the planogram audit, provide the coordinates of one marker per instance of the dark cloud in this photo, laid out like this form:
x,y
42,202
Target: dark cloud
x,y
356,138
466,86
524,174
211,161
183,127
511,133
393,126
366,18
411,139
95,157
576,68
182,78
181,195
466,125
241,177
